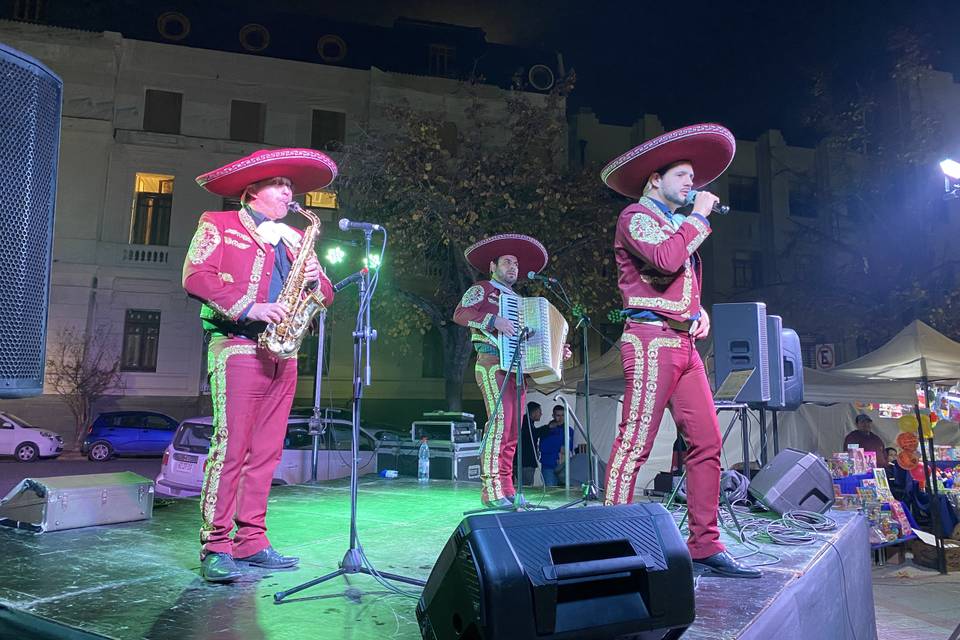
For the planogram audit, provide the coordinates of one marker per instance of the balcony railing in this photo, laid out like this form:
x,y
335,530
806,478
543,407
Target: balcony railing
x,y
145,255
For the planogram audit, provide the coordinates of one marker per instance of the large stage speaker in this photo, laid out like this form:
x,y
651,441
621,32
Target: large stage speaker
x,y
611,572
30,101
792,371
739,343
794,480
775,360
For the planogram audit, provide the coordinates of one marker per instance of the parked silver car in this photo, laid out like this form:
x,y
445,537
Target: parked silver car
x,y
184,461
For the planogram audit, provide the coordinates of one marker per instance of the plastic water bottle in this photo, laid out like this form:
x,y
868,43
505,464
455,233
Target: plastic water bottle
x,y
423,461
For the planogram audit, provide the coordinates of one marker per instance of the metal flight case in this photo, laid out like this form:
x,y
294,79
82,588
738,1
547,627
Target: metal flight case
x,y
454,448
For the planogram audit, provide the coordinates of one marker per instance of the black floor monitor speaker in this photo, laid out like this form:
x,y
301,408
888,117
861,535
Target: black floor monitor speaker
x,y
30,102
794,480
740,343
599,572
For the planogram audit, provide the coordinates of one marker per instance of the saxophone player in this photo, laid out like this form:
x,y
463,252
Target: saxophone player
x,y
236,266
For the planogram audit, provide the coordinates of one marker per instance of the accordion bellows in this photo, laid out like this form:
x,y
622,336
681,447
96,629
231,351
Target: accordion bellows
x,y
542,353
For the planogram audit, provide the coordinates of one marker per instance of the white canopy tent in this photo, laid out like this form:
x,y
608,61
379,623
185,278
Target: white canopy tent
x,y
886,375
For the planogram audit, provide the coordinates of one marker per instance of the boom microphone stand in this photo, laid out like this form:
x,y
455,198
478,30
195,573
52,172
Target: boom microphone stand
x,y
516,362
354,560
590,490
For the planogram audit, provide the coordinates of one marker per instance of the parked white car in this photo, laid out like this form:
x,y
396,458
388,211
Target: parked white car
x,y
184,461
26,443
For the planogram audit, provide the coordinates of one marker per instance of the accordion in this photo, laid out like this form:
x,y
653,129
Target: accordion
x,y
542,353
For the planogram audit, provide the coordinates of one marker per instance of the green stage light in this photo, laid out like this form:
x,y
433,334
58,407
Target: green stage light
x,y
374,261
335,255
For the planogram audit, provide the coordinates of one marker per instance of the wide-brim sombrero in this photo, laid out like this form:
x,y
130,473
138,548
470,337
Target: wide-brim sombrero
x,y
307,170
708,147
530,254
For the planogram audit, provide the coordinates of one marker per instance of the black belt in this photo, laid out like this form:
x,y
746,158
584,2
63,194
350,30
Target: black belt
x,y
249,330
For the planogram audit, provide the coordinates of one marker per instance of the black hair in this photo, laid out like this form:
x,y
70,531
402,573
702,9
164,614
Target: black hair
x,y
558,406
532,406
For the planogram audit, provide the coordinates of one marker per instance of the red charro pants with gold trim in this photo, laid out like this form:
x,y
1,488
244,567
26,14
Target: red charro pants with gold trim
x,y
252,394
662,368
500,440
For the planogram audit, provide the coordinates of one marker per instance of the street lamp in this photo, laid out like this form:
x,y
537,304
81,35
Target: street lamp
x,y
951,177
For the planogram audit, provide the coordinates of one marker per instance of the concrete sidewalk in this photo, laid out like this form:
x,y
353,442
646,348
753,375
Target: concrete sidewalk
x,y
915,603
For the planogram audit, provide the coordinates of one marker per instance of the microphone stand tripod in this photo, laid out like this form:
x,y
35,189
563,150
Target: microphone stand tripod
x,y
591,491
354,560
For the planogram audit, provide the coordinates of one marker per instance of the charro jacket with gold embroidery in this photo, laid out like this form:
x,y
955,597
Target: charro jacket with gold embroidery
x,y
228,267
656,269
478,309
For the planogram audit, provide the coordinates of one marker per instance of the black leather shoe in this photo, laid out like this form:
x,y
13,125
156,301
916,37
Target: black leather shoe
x,y
499,503
269,558
518,501
219,567
725,565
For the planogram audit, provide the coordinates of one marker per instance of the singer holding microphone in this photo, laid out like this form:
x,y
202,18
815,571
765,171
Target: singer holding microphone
x,y
236,267
660,283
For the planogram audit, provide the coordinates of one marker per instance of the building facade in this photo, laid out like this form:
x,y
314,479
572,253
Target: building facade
x,y
140,120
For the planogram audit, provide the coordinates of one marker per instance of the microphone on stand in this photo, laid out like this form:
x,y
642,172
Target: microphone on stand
x,y
349,280
533,275
722,209
346,225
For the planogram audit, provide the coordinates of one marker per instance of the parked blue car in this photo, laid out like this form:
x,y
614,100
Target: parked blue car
x,y
130,433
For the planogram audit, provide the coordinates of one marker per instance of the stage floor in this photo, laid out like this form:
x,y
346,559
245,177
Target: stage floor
x,y
140,580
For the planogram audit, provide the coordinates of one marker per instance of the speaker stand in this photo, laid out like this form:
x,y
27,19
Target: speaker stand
x,y
741,415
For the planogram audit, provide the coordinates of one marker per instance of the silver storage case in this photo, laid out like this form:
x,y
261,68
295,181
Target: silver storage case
x,y
71,502
444,431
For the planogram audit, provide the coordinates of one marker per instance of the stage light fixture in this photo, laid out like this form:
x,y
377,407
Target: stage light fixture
x,y
950,168
951,178
374,261
335,255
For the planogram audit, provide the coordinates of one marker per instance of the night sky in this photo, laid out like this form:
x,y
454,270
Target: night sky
x,y
746,64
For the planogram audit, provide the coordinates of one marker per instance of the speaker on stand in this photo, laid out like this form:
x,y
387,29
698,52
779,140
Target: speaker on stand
x,y
786,379
31,97
740,344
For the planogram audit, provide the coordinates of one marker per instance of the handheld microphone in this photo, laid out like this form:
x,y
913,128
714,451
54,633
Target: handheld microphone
x,y
533,275
346,225
349,280
722,209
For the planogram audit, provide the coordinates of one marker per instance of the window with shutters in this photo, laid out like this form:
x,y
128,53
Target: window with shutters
x,y
247,120
161,111
744,193
328,132
152,204
141,336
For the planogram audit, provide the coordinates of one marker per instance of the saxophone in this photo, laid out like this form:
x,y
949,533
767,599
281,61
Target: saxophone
x,y
284,339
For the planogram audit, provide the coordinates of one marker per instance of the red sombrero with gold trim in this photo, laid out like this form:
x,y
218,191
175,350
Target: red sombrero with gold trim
x,y
307,169
709,148
530,254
